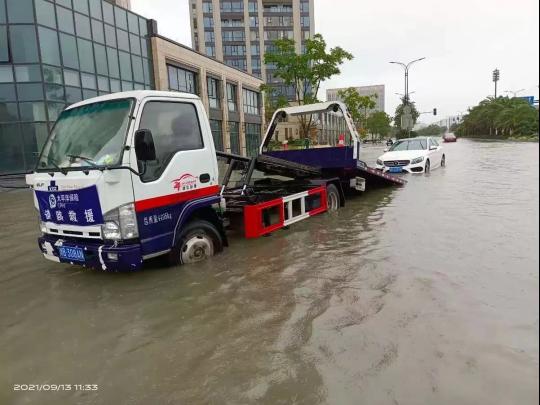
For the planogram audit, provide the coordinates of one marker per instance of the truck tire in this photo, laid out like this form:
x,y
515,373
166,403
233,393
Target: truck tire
x,y
198,241
332,198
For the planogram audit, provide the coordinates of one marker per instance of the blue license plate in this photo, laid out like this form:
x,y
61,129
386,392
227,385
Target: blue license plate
x,y
71,253
395,170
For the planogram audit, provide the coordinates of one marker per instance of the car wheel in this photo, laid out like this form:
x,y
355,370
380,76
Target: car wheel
x,y
443,161
427,167
198,241
332,198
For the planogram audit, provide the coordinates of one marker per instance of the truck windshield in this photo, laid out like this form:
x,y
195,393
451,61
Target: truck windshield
x,y
89,135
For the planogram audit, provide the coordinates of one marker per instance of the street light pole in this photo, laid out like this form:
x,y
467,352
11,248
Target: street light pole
x,y
406,67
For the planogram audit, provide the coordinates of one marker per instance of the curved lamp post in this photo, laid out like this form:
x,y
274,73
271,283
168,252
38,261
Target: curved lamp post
x,y
406,66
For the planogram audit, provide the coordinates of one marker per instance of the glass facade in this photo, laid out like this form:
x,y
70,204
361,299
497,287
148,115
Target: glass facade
x,y
251,102
182,79
55,53
253,138
217,134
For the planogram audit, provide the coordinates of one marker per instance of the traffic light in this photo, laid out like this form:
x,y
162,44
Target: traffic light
x,y
434,111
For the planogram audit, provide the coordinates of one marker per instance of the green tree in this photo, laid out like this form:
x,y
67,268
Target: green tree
x,y
401,133
500,117
378,123
306,71
431,130
357,105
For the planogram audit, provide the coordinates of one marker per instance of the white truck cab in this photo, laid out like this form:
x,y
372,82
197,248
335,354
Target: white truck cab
x,y
126,177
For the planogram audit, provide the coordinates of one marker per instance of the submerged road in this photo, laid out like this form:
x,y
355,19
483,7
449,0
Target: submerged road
x,y
426,294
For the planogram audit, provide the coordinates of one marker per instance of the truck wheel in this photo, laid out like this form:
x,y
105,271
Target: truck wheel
x,y
197,242
332,197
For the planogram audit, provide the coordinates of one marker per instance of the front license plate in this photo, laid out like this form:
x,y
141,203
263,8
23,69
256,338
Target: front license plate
x,y
71,253
395,170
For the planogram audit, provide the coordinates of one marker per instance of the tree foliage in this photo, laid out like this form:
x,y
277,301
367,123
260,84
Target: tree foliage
x,y
378,123
357,105
306,71
500,117
430,130
397,117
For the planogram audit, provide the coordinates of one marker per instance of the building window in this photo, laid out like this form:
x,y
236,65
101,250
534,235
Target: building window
x,y
209,36
254,35
255,63
251,102
232,23
211,51
232,6
213,92
217,134
232,104
182,79
273,35
304,21
255,49
304,7
234,137
234,50
253,138
208,22
253,21
280,8
252,7
207,7
305,34
233,35
237,63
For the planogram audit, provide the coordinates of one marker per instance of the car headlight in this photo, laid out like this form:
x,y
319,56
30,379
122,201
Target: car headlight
x,y
379,162
120,223
417,160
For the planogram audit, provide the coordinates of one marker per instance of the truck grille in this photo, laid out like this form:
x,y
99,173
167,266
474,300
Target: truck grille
x,y
394,163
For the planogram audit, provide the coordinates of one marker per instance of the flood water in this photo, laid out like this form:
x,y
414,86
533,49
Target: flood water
x,y
426,294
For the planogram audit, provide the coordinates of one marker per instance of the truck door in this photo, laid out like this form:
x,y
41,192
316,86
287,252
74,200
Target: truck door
x,y
185,168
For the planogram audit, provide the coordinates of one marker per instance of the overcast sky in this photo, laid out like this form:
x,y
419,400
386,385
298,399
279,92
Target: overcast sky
x,y
462,40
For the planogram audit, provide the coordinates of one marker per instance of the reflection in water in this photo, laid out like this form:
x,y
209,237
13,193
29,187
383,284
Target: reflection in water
x,y
423,294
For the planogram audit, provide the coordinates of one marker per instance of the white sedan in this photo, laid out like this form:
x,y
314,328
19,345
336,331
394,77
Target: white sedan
x,y
412,155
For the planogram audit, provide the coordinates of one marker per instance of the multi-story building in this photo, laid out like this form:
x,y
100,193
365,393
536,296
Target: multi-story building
x,y
378,90
239,32
55,53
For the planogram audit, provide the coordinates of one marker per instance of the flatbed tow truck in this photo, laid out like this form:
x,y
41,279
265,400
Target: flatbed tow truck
x,y
126,177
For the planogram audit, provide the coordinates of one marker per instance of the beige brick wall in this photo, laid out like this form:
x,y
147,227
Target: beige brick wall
x,y
165,51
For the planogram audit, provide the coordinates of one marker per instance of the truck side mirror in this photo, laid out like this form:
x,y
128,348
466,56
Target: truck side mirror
x,y
144,145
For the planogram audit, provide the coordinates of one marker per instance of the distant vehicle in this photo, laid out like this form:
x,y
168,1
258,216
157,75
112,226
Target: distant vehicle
x,y
412,155
449,137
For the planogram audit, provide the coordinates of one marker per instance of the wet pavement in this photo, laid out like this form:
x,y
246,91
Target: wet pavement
x,y
427,294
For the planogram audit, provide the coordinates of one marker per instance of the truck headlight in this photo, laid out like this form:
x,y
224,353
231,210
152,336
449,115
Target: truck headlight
x,y
417,160
120,223
379,162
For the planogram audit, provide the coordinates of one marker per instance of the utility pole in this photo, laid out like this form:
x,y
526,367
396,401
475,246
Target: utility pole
x,y
496,75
